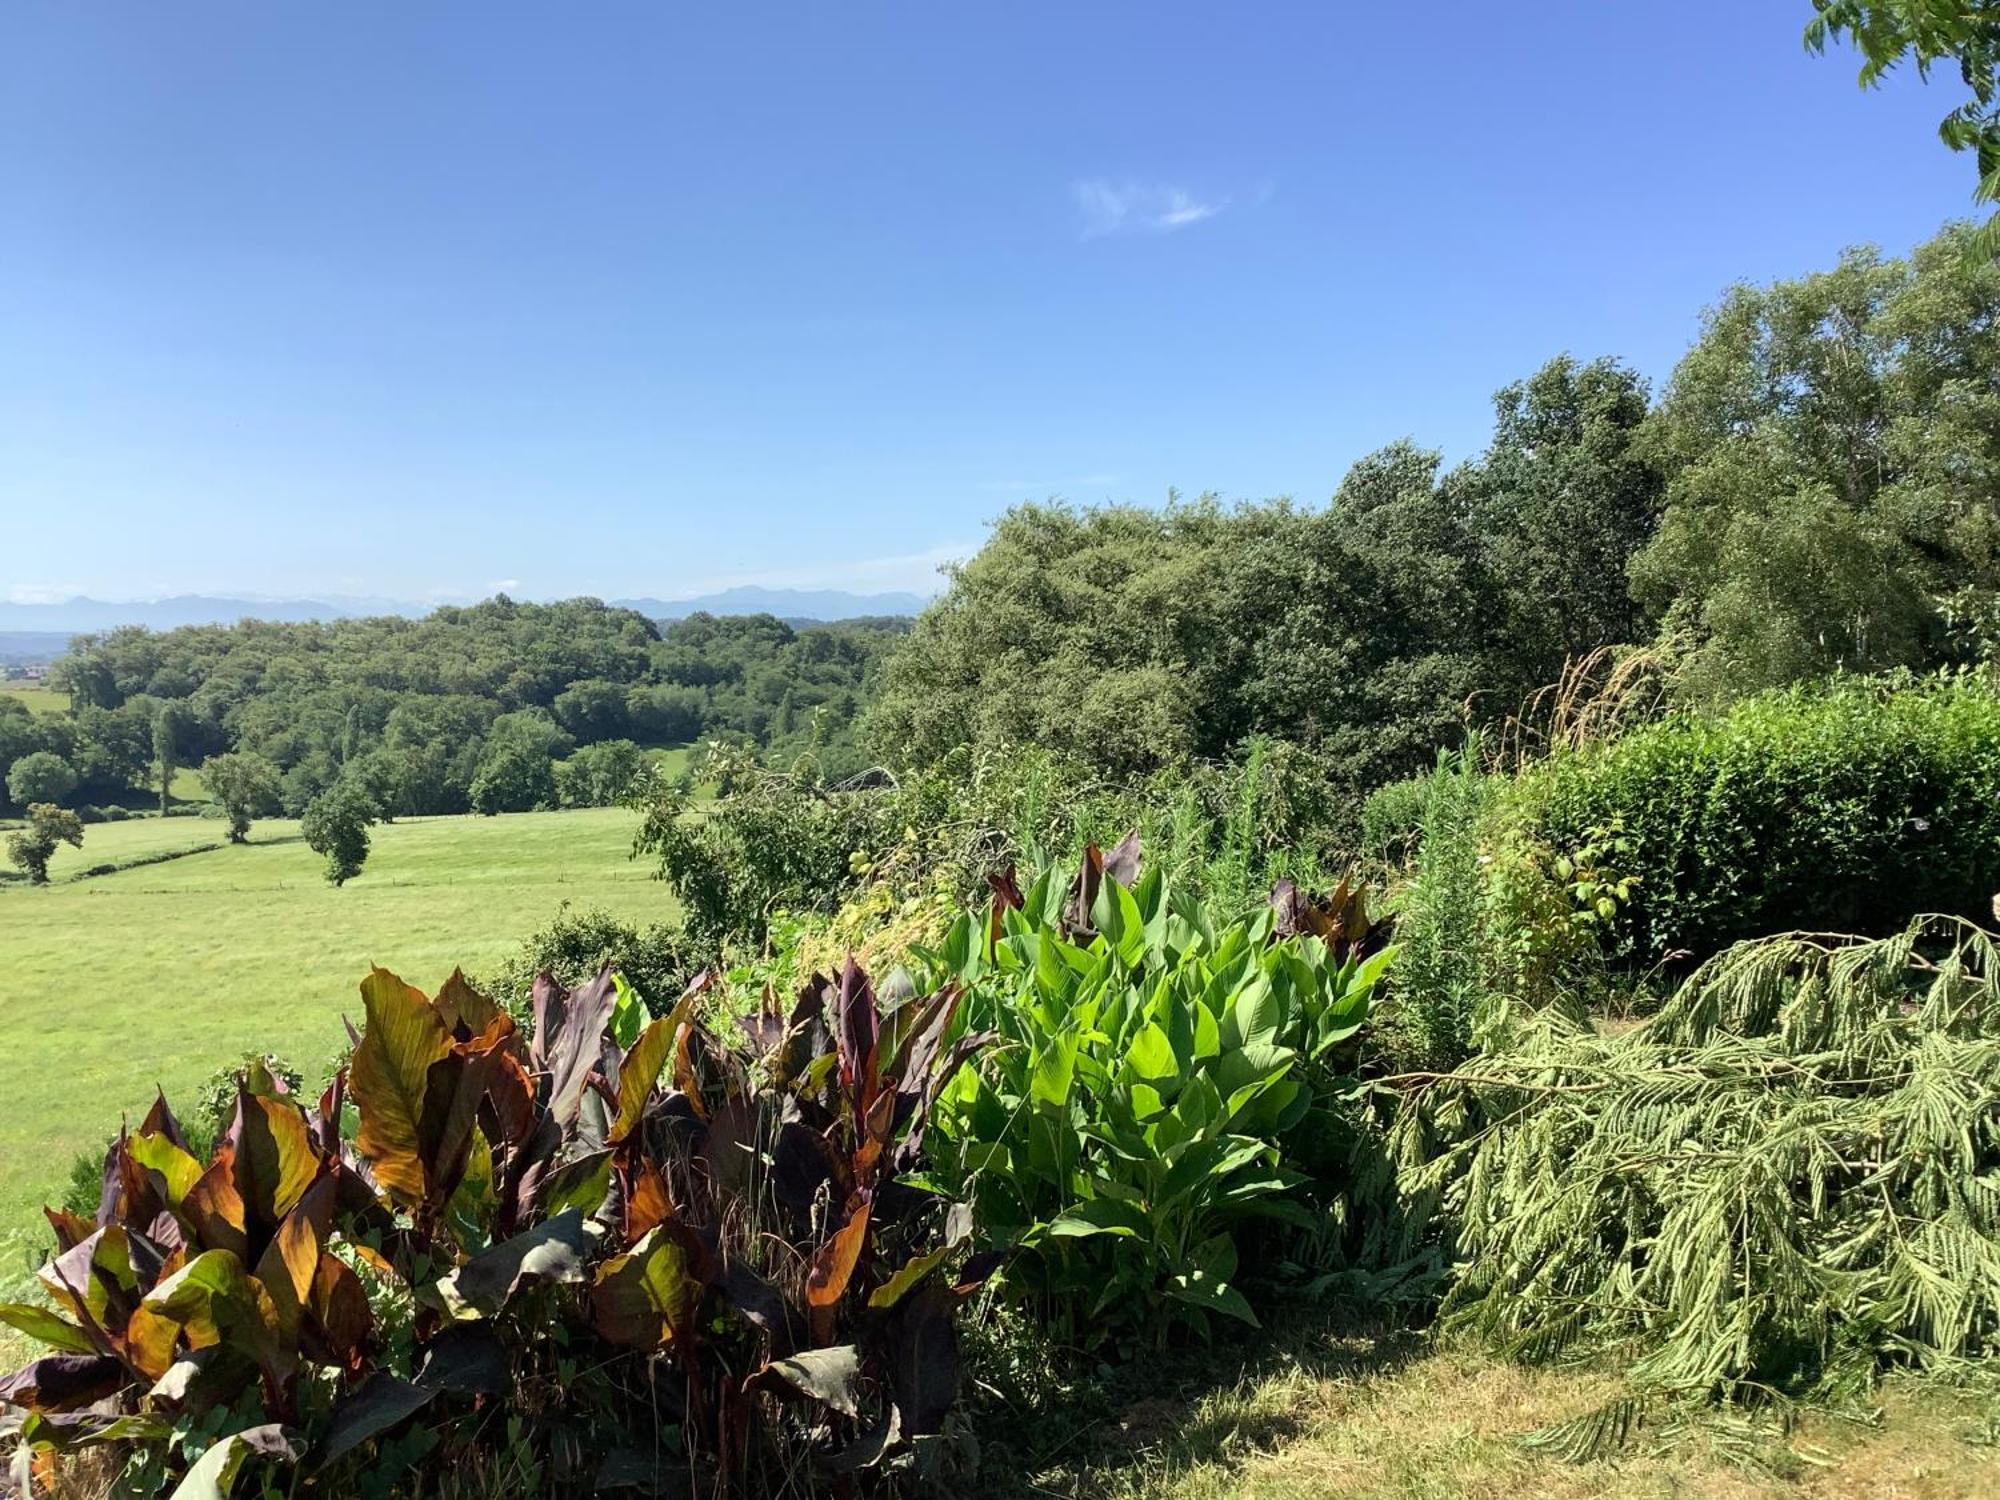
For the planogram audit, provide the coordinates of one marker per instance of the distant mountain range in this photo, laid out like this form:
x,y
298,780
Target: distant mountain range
x,y
74,616
786,604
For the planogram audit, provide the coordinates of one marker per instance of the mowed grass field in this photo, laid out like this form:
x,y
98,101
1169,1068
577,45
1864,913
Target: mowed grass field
x,y
161,974
39,699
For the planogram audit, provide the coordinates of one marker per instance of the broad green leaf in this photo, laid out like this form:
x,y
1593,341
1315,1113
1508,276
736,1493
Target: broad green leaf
x,y
1371,968
1100,1216
1216,1296
1151,1055
641,1068
628,1013
212,1476
1207,1037
388,1079
45,1325
1054,1072
1258,1012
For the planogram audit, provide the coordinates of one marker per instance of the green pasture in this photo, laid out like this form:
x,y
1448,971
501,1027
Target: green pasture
x,y
161,973
41,700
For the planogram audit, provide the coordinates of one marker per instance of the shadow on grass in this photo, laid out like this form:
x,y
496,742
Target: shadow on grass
x,y
1115,1428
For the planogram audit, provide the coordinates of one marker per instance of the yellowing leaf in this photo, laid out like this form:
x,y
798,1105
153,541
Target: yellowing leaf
x,y
459,1004
643,1299
174,1172
391,1068
641,1068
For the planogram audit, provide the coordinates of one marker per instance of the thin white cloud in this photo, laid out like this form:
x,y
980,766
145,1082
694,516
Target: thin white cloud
x,y
1137,207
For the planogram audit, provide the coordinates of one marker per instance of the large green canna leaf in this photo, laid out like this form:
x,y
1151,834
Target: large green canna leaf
x,y
42,1324
389,1077
641,1068
1151,1054
1215,1296
1055,1071
1101,1216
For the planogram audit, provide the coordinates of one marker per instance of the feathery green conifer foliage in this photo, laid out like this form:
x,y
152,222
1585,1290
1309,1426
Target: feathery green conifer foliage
x,y
1786,1181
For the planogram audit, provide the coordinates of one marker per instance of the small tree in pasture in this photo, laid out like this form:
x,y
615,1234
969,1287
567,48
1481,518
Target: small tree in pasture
x,y
48,826
243,785
336,825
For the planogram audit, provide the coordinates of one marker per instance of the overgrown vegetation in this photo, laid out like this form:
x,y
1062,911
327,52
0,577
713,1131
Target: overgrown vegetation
x,y
1162,1078
470,1213
1776,1188
691,1201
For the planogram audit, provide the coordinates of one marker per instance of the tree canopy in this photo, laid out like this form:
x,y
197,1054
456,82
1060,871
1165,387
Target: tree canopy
x,y
407,710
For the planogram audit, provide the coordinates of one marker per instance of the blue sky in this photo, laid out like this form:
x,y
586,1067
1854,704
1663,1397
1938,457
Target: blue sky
x,y
422,300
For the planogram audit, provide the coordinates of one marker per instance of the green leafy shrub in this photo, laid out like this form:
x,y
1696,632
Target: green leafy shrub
x,y
1781,1183
1392,819
1153,1062
578,945
1847,808
1445,972
662,1251
792,842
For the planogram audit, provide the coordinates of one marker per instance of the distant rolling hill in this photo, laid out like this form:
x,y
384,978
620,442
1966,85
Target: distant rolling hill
x,y
31,648
73,616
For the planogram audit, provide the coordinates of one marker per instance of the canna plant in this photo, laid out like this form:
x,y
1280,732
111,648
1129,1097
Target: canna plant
x,y
718,1224
1155,1072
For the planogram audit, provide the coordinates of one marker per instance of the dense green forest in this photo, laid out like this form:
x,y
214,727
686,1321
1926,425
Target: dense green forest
x,y
502,706
1811,492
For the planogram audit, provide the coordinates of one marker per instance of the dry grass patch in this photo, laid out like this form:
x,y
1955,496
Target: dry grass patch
x,y
1351,1418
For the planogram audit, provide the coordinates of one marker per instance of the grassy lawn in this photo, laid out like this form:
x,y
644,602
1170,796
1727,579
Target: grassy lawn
x,y
39,699
163,973
1322,1415
135,838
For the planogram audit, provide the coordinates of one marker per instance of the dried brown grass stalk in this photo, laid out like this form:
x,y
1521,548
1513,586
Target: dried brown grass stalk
x,y
1597,697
